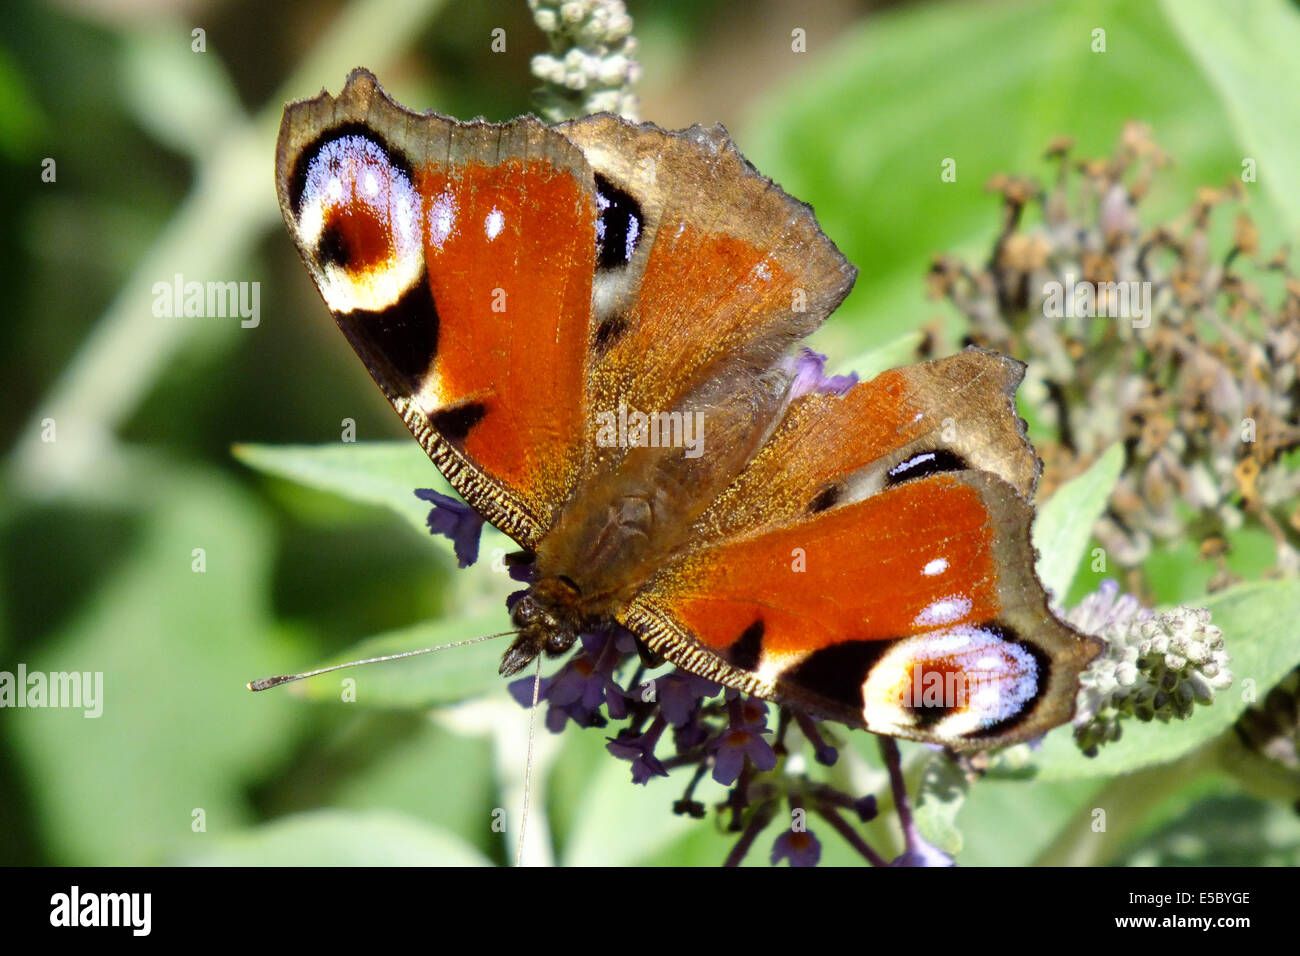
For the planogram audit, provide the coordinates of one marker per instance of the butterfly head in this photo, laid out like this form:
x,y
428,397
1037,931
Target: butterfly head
x,y
549,620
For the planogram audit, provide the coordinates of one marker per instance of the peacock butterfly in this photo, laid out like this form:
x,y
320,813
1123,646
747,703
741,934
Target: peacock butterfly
x,y
591,329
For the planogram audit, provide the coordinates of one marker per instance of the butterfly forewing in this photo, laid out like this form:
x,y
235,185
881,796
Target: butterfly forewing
x,y
458,260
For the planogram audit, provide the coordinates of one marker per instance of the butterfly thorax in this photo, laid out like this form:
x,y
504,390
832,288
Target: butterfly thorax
x,y
596,558
634,514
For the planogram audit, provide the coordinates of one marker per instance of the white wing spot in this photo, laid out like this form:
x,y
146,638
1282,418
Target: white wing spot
x,y
944,611
494,223
633,231
937,566
442,219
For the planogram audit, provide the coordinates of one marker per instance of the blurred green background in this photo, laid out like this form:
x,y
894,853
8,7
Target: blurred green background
x,y
165,161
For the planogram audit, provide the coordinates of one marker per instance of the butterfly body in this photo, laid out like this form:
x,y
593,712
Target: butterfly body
x,y
630,519
591,330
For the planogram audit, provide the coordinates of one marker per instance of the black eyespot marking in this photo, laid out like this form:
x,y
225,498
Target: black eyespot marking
x,y
839,671
619,224
1044,664
923,464
333,247
825,499
744,653
455,423
608,332
405,335
298,177
925,715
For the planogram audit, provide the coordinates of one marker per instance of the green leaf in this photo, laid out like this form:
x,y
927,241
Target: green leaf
x,y
372,473
1064,524
899,351
385,474
1226,829
618,823
1247,50
1261,628
372,771
1010,822
338,838
939,799
178,730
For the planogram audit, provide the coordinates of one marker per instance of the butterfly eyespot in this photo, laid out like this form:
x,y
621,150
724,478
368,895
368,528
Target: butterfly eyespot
x,y
972,682
619,225
924,464
359,215
333,248
442,218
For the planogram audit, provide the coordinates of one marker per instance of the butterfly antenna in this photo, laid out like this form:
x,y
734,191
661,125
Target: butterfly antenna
x,y
528,762
266,683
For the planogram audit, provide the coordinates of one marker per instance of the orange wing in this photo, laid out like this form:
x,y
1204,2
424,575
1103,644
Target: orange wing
x,y
458,259
866,569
